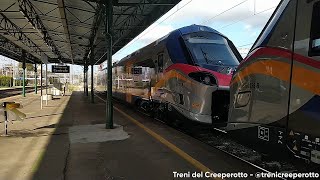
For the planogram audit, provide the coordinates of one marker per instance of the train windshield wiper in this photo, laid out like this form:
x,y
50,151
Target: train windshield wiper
x,y
205,55
209,60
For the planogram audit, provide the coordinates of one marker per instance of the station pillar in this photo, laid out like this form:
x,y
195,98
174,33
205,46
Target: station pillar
x,y
47,84
35,79
92,89
109,105
41,95
46,79
86,82
41,80
23,74
84,79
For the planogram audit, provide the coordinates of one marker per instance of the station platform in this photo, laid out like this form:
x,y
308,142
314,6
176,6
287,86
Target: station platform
x,y
67,140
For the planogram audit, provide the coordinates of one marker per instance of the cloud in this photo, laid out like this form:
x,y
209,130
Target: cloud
x,y
248,27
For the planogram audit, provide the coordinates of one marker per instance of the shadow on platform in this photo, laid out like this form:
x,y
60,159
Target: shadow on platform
x,y
53,163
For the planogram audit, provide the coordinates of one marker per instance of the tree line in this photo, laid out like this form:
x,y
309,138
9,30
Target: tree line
x,y
7,81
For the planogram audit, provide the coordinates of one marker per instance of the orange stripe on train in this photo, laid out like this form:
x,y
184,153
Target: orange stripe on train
x,y
304,78
169,75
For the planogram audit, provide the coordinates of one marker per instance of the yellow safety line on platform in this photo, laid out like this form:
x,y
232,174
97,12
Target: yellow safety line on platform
x,y
171,146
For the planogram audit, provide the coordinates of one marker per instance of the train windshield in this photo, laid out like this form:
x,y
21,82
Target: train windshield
x,y
210,49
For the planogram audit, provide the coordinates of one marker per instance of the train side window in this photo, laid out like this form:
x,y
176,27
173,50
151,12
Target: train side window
x,y
314,49
160,63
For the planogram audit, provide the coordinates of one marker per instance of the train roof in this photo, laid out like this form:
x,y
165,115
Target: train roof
x,y
183,30
196,28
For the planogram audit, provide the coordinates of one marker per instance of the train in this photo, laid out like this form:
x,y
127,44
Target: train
x,y
270,98
274,93
184,75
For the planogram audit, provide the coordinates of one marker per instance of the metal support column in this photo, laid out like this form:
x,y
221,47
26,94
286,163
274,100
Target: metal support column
x,y
41,76
13,77
47,84
92,92
84,79
109,105
87,84
35,79
23,75
41,79
46,79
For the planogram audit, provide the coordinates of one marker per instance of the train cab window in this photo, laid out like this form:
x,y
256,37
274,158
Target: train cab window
x,y
210,50
136,70
314,49
160,63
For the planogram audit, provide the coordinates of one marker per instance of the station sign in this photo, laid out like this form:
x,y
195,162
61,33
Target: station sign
x,y
60,69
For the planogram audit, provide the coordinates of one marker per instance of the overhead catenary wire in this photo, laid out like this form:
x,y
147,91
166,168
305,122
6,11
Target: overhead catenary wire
x,y
140,36
244,45
205,21
241,20
223,12
246,18
237,21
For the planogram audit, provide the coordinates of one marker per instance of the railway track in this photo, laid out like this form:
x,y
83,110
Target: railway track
x,y
221,141
12,92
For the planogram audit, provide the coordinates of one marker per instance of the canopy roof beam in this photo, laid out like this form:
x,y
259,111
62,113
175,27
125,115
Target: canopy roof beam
x,y
144,3
15,31
64,21
94,30
29,12
11,50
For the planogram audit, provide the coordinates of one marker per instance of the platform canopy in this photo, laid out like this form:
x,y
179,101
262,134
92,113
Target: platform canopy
x,y
65,31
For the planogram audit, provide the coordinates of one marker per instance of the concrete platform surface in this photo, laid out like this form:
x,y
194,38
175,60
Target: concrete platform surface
x,y
67,140
96,133
21,152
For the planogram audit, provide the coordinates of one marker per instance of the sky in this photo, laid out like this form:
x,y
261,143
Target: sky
x,y
240,20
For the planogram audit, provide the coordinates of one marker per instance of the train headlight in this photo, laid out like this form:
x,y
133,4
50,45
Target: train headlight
x,y
242,99
204,78
207,80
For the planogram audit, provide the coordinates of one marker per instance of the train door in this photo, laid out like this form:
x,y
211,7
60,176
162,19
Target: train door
x,y
304,114
158,71
159,63
159,67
